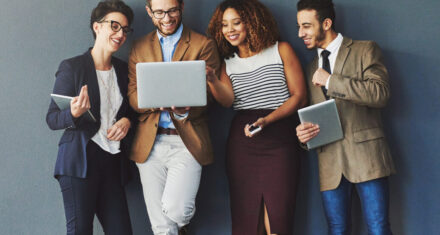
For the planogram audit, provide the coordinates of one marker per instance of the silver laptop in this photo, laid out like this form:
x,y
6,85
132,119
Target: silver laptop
x,y
326,115
166,84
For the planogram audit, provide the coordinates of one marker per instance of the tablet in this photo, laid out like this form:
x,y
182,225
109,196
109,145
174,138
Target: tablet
x,y
63,102
325,114
166,84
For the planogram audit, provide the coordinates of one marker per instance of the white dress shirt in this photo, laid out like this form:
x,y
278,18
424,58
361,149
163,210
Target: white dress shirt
x,y
333,48
168,45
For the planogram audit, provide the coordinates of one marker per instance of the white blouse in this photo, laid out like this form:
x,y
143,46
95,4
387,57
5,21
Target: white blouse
x,y
111,100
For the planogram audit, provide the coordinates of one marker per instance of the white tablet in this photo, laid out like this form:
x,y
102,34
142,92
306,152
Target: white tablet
x,y
325,114
166,84
63,102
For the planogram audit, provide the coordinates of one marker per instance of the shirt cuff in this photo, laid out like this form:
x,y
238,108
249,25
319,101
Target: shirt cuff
x,y
180,117
328,81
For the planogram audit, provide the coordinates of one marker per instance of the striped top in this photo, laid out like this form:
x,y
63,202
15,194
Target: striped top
x,y
258,81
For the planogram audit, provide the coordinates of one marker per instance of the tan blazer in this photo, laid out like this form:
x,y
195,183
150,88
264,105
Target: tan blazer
x,y
194,129
359,85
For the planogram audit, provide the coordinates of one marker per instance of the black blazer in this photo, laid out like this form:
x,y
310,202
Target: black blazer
x,y
72,74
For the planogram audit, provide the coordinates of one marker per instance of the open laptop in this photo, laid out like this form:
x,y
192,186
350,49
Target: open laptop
x,y
166,84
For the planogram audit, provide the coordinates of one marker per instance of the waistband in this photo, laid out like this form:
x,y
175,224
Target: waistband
x,y
166,131
254,111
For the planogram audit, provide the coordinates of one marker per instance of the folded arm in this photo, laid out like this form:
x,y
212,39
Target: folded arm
x,y
369,87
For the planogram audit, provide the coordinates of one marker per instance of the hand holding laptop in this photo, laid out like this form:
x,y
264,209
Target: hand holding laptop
x,y
210,74
176,110
81,103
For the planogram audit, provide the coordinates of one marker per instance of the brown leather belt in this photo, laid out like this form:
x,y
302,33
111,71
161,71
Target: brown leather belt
x,y
166,131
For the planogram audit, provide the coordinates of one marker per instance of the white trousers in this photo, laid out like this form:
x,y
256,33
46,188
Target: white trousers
x,y
170,180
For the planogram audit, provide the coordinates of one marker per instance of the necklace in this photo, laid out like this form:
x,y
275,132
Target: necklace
x,y
109,99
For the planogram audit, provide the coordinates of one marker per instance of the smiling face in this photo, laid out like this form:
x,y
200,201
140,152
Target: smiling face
x,y
168,25
310,30
106,38
233,28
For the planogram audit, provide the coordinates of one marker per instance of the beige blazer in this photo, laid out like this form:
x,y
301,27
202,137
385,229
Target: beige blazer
x,y
359,85
194,129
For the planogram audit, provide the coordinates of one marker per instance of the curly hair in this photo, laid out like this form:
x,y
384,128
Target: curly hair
x,y
261,27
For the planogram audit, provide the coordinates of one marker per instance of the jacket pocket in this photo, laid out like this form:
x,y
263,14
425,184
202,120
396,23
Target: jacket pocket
x,y
67,137
368,134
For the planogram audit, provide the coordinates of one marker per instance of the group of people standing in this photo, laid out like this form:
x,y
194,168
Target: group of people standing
x,y
248,69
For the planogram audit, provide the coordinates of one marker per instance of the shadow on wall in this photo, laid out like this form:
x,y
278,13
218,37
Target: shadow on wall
x,y
396,110
403,105
213,209
136,205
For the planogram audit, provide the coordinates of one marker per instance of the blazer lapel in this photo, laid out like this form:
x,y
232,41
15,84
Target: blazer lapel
x,y
344,50
182,45
93,87
155,53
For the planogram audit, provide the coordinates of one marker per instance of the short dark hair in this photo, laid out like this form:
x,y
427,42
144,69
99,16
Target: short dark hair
x,y
324,9
108,6
149,3
261,27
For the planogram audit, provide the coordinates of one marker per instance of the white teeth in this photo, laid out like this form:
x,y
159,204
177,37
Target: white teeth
x,y
233,37
167,25
116,41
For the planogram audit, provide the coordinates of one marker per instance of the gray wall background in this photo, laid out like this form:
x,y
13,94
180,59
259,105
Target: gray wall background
x,y
37,35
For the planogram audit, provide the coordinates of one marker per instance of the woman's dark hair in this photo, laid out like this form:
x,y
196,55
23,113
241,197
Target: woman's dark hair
x,y
261,27
109,6
324,9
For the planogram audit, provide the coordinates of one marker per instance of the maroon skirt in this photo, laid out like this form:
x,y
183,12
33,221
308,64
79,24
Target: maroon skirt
x,y
264,168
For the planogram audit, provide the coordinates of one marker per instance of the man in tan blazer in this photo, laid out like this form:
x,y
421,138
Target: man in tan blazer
x,y
170,145
351,72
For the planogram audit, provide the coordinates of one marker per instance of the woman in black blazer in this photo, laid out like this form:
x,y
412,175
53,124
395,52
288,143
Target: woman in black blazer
x,y
92,155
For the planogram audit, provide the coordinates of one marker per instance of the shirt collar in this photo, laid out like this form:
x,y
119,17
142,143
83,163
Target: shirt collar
x,y
173,38
334,45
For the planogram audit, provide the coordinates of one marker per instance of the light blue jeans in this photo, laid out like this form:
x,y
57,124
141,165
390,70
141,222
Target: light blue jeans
x,y
374,196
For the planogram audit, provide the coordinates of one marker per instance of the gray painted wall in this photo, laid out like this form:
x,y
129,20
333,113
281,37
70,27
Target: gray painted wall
x,y
37,35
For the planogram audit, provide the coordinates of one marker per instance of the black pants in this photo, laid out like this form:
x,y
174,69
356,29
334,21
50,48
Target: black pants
x,y
101,193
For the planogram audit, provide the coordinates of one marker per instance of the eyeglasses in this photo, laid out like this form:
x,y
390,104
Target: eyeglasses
x,y
160,14
116,26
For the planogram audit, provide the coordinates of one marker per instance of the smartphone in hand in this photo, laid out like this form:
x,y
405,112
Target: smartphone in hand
x,y
254,129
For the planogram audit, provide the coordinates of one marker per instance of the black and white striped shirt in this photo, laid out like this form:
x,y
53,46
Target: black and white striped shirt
x,y
258,81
